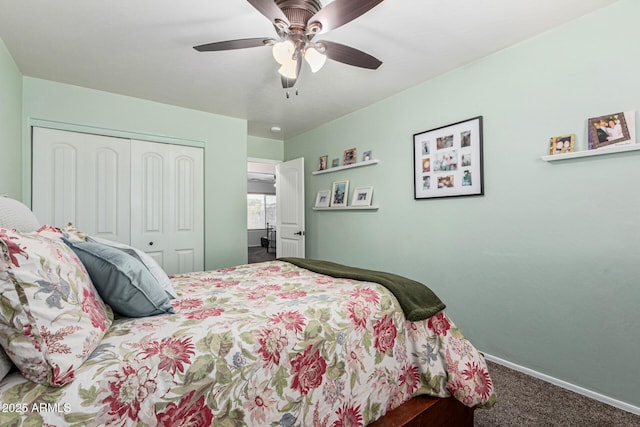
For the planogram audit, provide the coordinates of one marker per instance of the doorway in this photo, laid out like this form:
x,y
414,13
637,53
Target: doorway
x,y
261,210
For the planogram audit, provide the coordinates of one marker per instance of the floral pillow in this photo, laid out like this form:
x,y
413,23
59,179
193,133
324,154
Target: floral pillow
x,y
51,316
5,364
70,233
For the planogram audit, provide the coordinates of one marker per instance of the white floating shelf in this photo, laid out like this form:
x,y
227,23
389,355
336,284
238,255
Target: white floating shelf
x,y
349,208
354,165
589,153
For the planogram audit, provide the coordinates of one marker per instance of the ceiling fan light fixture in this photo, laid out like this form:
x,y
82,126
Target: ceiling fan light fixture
x,y
283,51
315,59
289,69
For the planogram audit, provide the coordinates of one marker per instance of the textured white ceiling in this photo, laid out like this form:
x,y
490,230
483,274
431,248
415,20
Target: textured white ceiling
x,y
143,48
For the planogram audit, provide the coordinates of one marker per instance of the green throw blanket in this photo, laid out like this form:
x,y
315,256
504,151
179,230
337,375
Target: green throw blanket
x,y
418,302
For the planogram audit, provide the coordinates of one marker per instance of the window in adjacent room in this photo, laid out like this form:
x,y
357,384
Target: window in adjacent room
x,y
261,210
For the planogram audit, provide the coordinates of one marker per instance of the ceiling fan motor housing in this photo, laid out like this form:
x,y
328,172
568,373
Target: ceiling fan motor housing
x,y
299,11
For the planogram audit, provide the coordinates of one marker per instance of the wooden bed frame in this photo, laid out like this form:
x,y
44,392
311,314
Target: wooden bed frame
x,y
424,411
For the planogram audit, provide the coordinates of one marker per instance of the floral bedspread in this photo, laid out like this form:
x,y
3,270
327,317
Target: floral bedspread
x,y
266,344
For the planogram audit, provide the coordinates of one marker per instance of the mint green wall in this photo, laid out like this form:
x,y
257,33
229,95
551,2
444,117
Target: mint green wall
x,y
544,270
225,144
265,148
10,125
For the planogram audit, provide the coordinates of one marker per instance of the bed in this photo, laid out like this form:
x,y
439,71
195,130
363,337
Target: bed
x,y
289,342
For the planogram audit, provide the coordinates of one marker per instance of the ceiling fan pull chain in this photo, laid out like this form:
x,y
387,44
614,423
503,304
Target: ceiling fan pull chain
x,y
288,95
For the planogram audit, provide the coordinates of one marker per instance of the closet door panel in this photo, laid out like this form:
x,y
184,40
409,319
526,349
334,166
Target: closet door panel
x,y
148,204
185,260
82,179
152,168
187,226
103,182
184,193
60,198
107,192
167,204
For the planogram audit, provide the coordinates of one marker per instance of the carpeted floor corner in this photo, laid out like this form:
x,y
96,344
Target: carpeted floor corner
x,y
525,401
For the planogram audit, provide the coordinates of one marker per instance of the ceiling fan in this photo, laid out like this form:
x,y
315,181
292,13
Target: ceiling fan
x,y
297,22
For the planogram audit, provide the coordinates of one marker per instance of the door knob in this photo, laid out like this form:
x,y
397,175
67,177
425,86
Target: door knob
x,y
299,233
150,243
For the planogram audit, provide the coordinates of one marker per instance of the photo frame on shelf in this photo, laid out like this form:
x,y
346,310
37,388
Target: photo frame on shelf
x,y
362,196
350,157
366,156
447,161
324,163
562,144
615,128
339,194
323,198
335,163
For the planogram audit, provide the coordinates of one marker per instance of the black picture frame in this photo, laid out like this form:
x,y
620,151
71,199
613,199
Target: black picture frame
x,y
600,130
448,161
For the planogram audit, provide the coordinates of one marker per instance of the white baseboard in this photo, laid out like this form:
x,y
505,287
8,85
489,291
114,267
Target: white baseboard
x,y
571,387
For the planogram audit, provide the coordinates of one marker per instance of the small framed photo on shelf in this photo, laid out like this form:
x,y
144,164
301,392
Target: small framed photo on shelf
x,y
447,161
323,198
324,162
366,156
335,163
615,128
339,194
562,144
362,196
349,157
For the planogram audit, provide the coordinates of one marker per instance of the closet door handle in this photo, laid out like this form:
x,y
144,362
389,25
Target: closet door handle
x,y
150,243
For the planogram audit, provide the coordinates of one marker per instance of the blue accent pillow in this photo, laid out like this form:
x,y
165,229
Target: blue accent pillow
x,y
151,264
122,281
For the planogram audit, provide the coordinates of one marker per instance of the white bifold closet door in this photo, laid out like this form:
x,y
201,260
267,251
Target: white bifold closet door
x,y
82,179
145,194
167,204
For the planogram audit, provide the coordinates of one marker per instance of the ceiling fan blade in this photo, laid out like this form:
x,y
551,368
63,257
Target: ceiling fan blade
x,y
349,55
234,44
339,12
270,9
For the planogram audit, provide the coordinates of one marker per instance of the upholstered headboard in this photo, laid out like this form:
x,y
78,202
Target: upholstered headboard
x,y
16,215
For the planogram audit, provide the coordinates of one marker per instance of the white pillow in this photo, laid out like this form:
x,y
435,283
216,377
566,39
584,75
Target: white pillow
x,y
17,216
151,264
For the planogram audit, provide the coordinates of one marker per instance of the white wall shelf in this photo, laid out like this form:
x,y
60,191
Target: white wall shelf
x,y
349,208
354,165
590,153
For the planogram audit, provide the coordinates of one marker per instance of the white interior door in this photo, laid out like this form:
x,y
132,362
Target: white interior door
x,y
167,204
82,179
290,233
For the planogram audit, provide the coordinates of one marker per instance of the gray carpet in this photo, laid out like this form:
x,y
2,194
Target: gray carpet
x,y
527,401
260,254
